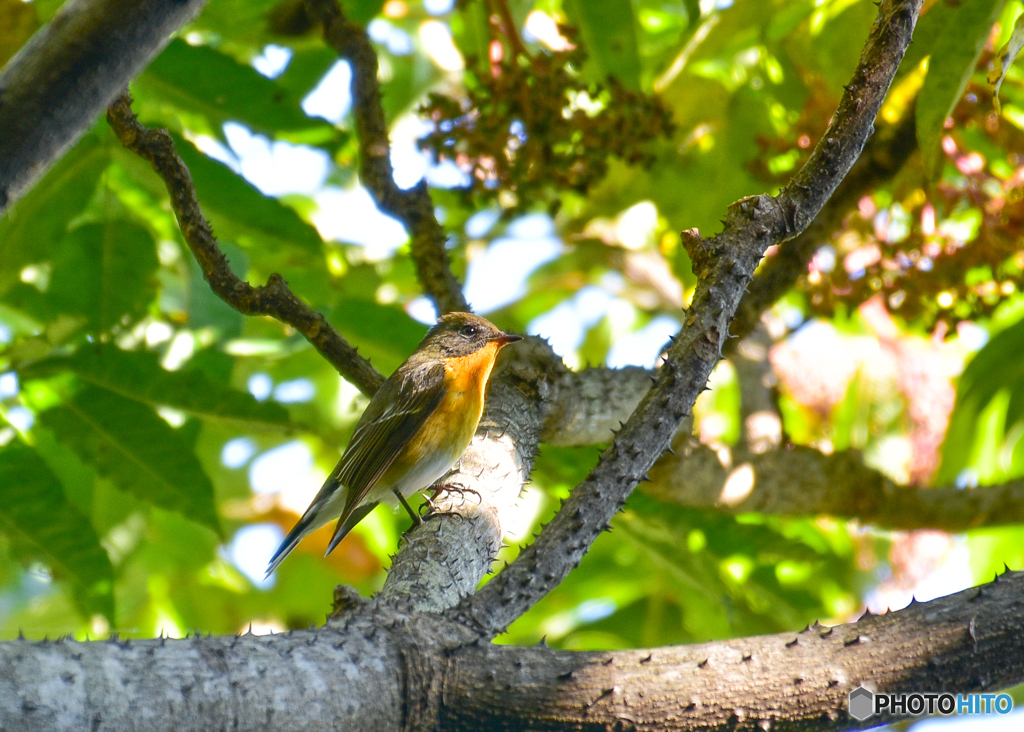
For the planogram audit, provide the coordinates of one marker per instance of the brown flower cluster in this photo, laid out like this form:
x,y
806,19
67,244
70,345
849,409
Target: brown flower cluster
x,y
943,251
530,126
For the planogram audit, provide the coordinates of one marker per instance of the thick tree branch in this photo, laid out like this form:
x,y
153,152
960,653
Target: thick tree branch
x,y
382,670
585,407
801,481
971,641
413,207
67,74
588,406
274,298
725,265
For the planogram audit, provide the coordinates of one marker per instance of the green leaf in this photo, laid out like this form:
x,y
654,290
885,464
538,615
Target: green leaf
x,y
363,321
608,28
30,230
19,21
239,212
996,368
42,524
137,375
249,21
105,273
1005,58
471,31
136,450
201,80
953,59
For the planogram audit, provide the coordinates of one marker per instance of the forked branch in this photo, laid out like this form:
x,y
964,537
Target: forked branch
x,y
274,298
413,207
725,265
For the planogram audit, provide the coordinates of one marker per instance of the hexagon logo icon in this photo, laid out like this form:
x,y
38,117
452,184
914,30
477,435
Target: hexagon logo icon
x,y
861,703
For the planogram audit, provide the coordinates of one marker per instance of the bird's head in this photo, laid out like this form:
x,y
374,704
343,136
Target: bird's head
x,y
460,334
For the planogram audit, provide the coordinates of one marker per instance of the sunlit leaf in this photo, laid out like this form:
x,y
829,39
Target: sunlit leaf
x,y
608,28
204,81
1005,58
138,376
240,213
43,525
994,369
953,59
135,449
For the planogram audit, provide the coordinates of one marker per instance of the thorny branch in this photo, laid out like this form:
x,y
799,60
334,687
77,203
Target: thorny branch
x,y
413,207
274,298
787,681
725,265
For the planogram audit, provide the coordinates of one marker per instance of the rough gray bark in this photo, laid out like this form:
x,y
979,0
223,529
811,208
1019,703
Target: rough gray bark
x,y
589,406
801,481
377,669
60,82
787,681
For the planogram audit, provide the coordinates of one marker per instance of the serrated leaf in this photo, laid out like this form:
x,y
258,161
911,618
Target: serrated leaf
x,y
127,443
137,375
105,273
42,524
608,28
31,230
240,213
953,59
201,80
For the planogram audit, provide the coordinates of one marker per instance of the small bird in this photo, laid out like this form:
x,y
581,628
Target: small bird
x,y
413,431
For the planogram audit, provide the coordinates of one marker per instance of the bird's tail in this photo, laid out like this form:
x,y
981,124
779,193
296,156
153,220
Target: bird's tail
x,y
346,524
319,513
303,527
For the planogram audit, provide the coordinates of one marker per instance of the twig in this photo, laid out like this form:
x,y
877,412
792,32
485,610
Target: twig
x,y
725,265
508,27
413,206
274,298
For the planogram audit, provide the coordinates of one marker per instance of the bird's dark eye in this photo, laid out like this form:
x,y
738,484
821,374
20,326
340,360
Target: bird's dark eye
x,y
468,330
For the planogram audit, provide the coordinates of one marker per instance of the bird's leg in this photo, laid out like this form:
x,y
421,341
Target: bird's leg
x,y
458,488
428,501
416,520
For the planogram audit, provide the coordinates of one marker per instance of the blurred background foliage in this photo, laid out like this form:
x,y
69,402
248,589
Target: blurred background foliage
x,y
156,444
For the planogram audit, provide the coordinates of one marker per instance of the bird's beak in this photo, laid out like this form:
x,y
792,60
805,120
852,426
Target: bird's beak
x,y
503,339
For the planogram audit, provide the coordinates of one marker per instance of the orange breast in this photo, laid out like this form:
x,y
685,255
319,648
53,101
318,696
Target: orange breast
x,y
455,420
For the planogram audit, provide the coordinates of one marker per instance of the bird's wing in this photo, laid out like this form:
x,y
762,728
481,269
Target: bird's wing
x,y
395,413
393,417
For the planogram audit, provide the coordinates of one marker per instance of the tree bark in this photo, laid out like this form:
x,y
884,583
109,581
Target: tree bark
x,y
379,669
68,73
